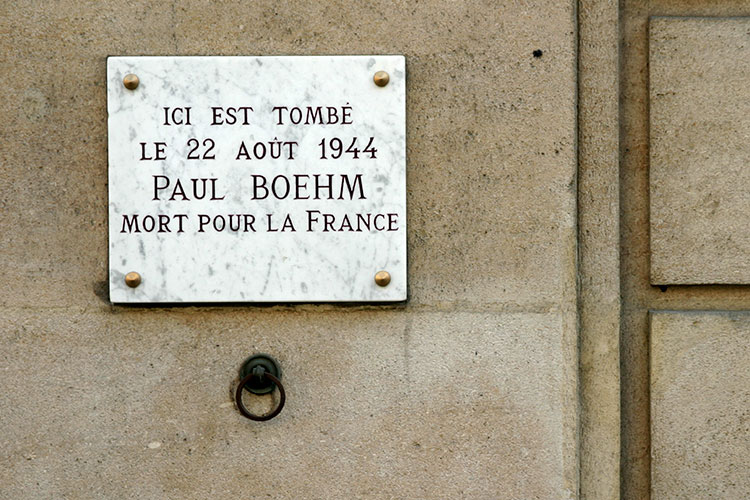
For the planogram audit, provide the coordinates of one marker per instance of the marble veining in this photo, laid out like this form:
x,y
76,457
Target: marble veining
x,y
253,256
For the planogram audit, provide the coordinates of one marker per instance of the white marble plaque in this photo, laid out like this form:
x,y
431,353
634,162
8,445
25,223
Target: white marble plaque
x,y
257,179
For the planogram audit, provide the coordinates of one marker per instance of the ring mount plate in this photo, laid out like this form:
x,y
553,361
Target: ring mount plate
x,y
260,385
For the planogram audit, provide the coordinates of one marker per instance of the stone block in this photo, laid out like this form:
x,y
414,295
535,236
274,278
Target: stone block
x,y
699,150
380,404
700,405
491,155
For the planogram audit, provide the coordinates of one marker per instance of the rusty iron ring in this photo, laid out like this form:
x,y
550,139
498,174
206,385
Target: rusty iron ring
x,y
241,405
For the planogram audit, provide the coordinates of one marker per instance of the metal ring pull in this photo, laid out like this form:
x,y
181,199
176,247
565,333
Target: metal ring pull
x,y
259,380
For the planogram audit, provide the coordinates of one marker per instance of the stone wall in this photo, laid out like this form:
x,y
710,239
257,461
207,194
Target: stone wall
x,y
468,390
576,323
683,82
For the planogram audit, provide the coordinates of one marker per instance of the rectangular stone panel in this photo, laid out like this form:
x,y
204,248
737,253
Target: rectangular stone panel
x,y
700,405
699,150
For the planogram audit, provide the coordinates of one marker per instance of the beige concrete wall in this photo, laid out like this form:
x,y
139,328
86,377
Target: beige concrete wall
x,y
466,391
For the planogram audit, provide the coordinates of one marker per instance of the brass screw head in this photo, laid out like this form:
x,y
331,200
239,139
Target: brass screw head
x,y
382,278
131,81
132,279
381,78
